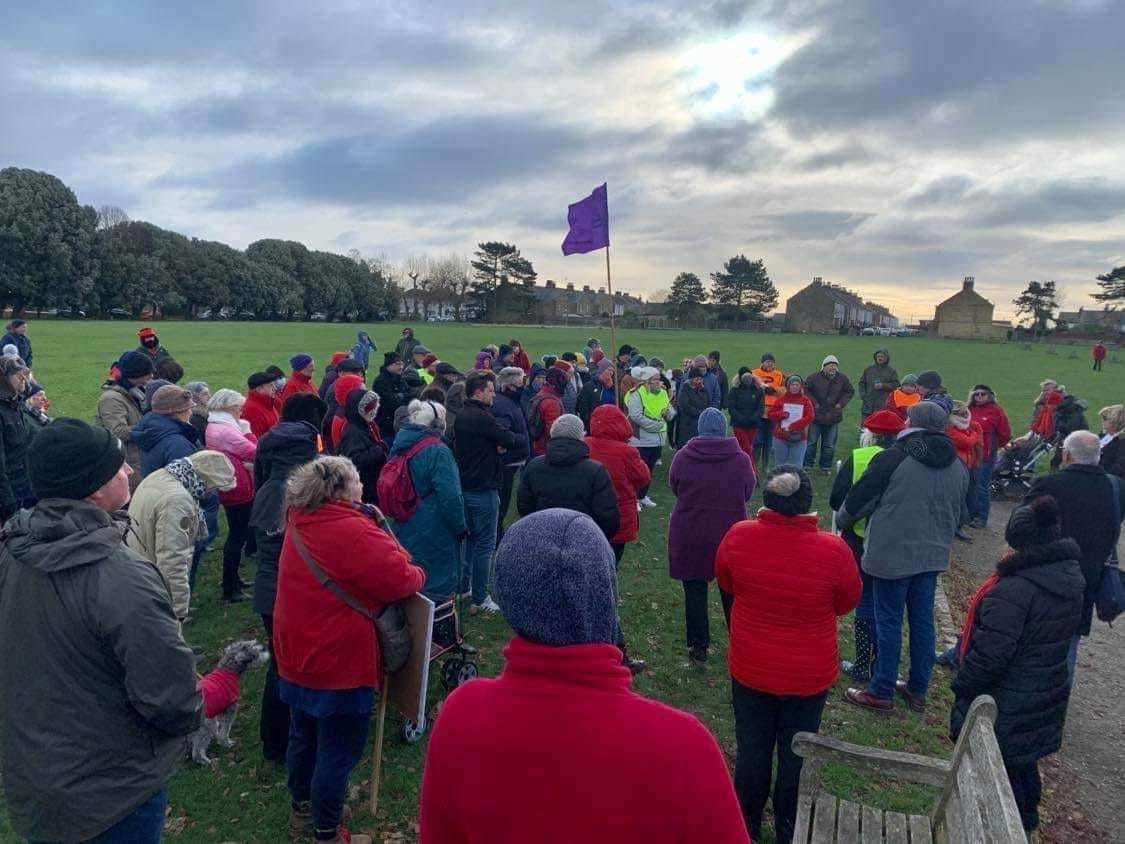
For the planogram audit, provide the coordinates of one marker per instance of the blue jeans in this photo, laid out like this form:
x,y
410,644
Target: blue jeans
x,y
143,825
210,508
482,508
321,755
826,436
982,503
915,596
1072,659
787,453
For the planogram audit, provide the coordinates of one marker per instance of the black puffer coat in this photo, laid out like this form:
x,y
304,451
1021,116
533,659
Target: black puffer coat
x,y
690,403
16,432
393,394
1018,650
1070,416
566,477
359,445
745,404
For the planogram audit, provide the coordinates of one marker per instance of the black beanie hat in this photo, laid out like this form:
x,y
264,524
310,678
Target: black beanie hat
x,y
135,365
788,491
768,356
71,459
260,379
391,357
929,380
1036,523
625,350
350,365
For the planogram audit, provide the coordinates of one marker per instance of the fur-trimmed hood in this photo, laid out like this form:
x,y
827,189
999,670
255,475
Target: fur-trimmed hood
x,y
1053,566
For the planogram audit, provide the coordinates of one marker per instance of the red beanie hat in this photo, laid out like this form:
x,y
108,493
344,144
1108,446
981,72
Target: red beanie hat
x,y
338,358
344,385
146,332
884,423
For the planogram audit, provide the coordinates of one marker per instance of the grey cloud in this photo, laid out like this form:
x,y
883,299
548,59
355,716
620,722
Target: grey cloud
x,y
1091,200
728,146
841,156
807,225
941,191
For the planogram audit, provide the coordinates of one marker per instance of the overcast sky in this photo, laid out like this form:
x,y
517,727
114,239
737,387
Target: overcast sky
x,y
890,146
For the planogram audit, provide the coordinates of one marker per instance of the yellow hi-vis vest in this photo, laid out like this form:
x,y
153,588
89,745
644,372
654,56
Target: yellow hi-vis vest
x,y
427,379
654,404
861,457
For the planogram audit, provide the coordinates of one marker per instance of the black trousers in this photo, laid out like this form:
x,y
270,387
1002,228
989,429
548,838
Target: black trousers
x,y
1028,789
506,484
763,446
238,529
649,454
1097,366
763,724
696,615
273,726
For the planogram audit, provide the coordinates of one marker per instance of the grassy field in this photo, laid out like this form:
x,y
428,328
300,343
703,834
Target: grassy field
x,y
242,799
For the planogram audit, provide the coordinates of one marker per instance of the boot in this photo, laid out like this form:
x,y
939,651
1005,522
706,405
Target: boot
x,y
635,666
301,820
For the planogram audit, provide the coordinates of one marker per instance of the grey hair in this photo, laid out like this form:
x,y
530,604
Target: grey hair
x,y
320,481
225,399
197,388
428,414
784,484
867,439
1083,448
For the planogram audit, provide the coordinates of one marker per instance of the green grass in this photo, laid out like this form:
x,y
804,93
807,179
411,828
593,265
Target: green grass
x,y
242,799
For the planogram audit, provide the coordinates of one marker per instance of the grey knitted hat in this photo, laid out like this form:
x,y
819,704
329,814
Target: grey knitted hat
x,y
555,579
927,414
568,425
712,423
509,376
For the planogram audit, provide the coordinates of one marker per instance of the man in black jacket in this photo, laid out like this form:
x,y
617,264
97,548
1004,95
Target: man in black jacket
x,y
97,688
716,369
507,410
393,393
566,477
1084,492
479,444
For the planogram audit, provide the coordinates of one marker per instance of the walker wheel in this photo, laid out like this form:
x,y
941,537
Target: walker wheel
x,y
450,672
412,733
468,672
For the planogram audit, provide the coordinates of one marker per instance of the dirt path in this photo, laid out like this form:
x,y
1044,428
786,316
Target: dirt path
x,y
1084,785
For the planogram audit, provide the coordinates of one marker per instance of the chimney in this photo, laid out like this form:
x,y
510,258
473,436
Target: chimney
x,y
967,284
585,288
550,284
570,286
817,279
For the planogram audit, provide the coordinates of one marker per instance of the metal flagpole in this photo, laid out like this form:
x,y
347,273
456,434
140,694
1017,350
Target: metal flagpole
x,y
612,331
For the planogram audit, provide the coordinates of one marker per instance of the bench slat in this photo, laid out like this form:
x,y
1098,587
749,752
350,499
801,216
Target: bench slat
x,y
872,826
896,828
1001,814
824,821
948,828
971,824
847,823
920,830
804,820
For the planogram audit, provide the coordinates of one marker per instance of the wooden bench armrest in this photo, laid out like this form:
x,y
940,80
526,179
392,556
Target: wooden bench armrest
x,y
817,750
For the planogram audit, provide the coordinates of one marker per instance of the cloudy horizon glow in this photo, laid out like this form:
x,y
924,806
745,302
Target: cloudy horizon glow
x,y
892,148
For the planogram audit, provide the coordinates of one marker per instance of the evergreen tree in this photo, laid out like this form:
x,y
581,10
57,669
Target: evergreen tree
x,y
1112,285
744,287
1039,302
686,296
498,264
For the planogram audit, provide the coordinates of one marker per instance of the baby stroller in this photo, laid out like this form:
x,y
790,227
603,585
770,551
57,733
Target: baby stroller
x,y
1014,470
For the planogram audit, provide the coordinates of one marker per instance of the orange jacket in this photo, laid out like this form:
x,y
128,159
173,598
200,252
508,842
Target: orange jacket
x,y
775,380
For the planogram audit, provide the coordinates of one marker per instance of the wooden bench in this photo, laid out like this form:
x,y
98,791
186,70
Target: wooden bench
x,y
976,802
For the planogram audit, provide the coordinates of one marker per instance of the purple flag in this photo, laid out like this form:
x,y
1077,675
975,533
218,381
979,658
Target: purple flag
x,y
589,223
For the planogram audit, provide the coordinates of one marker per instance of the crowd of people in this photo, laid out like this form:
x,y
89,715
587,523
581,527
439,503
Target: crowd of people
x,y
351,497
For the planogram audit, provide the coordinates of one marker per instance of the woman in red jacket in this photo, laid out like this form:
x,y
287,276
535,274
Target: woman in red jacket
x,y
327,652
790,582
792,414
996,433
608,442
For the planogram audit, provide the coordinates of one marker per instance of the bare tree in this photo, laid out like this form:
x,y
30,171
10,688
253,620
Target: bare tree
x,y
417,269
454,280
110,216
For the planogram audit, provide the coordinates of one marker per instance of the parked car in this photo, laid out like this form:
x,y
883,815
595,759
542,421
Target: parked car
x,y
868,331
319,316
118,313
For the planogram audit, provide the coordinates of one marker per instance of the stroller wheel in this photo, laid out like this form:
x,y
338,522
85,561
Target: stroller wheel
x,y
468,672
412,733
450,671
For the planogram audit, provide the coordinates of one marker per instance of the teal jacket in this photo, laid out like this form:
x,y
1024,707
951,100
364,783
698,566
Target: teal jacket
x,y
432,534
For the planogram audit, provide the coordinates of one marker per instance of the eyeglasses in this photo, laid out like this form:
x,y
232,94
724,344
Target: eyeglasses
x,y
980,395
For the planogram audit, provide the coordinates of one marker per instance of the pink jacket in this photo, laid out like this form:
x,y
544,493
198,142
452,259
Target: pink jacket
x,y
240,448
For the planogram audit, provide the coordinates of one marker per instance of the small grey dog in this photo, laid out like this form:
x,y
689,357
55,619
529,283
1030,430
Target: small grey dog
x,y
221,689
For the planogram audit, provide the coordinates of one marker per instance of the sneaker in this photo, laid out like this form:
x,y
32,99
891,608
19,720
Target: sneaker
x,y
659,462
486,606
638,506
866,700
978,524
915,702
964,537
648,502
342,836
635,666
698,654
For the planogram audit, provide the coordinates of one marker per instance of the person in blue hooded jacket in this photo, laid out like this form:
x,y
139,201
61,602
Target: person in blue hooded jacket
x,y
433,534
165,433
363,348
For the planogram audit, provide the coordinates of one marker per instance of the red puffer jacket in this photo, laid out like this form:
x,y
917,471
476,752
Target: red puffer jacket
x,y
969,443
994,426
321,642
609,445
790,581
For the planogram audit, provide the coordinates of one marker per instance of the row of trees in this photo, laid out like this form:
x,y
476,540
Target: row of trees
x,y
55,253
742,288
1039,302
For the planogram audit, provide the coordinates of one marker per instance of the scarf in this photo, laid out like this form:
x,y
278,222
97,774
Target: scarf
x,y
971,615
221,417
961,423
185,473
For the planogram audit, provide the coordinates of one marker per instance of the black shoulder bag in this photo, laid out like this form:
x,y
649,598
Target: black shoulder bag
x,y
1110,599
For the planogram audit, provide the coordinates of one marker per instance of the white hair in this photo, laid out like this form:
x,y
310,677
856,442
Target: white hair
x,y
1083,448
867,439
225,399
428,414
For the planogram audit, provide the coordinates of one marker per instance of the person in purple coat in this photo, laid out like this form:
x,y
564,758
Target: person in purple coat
x,y
712,479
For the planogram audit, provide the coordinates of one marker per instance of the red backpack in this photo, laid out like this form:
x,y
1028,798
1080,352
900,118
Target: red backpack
x,y
395,488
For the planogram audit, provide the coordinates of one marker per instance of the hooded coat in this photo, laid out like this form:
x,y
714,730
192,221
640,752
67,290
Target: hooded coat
x,y
227,437
746,404
287,446
432,535
97,688
690,403
875,397
360,445
261,412
1070,416
405,347
548,405
969,443
911,495
609,445
393,394
508,412
996,432
712,479
165,526
1018,650
364,346
119,410
17,429
23,346
297,382
163,439
566,477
